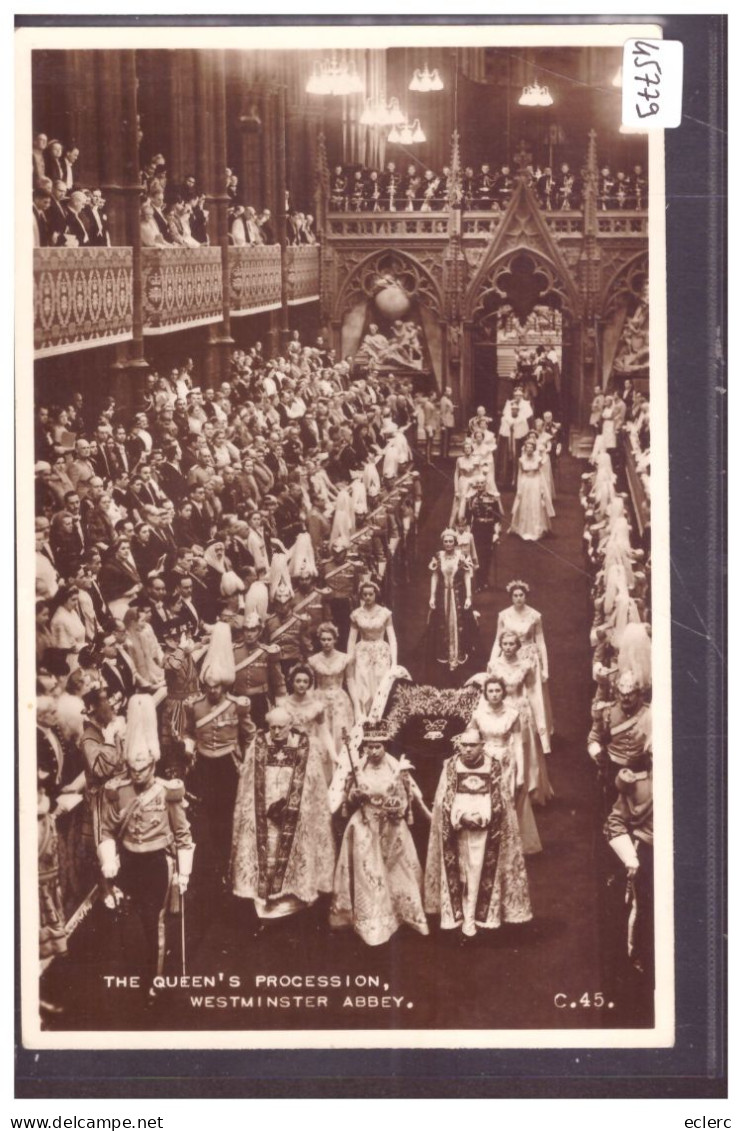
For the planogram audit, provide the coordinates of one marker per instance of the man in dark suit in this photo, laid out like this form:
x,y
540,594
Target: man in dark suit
x,y
41,204
56,217
155,602
157,199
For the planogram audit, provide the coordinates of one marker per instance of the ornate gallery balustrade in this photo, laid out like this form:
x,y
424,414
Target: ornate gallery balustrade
x,y
84,297
476,227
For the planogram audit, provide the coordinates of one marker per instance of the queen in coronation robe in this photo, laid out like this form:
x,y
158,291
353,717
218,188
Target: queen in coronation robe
x,y
283,853
378,879
475,877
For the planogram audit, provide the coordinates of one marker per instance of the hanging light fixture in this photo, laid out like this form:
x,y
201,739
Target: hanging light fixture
x,y
535,95
405,133
329,76
425,80
380,113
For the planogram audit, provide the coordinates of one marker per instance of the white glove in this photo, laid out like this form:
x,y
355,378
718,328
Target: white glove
x,y
185,867
108,858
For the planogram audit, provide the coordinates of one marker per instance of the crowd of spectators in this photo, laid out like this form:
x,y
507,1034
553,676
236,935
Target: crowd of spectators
x,y
65,213
173,210
620,739
354,189
197,506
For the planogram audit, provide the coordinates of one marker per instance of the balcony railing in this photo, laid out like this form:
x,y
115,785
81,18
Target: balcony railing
x,y
623,224
388,225
302,265
82,298
254,279
181,288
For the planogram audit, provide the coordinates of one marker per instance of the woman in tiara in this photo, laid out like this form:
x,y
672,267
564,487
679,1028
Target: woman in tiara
x,y
307,712
330,667
451,624
527,625
372,645
378,878
532,509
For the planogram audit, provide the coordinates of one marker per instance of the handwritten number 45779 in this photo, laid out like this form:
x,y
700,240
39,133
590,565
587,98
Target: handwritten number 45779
x,y
650,79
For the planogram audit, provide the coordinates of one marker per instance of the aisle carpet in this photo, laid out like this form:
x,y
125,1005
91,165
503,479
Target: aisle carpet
x,y
509,979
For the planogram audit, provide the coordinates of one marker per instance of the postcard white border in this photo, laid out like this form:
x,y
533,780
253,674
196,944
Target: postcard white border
x,y
321,38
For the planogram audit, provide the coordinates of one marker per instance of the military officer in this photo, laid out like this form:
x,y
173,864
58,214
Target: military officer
x,y
484,514
342,575
621,734
218,728
143,826
311,602
258,675
288,630
339,190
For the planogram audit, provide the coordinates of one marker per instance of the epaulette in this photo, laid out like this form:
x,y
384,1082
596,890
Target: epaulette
x,y
174,788
113,785
271,649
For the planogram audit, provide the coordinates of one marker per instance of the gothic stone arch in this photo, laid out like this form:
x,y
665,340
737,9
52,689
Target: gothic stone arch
x,y
522,278
412,275
626,283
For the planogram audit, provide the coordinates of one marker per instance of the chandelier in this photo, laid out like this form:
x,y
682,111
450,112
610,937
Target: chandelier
x,y
332,77
535,95
406,134
425,80
379,113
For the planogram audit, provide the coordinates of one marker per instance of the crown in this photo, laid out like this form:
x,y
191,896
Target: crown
x,y
516,583
377,731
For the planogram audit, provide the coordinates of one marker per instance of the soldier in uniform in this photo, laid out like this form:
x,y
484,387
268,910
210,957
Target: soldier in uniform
x,y
621,735
311,601
339,190
181,681
630,833
638,189
468,188
258,675
503,188
288,630
484,187
606,189
342,575
102,750
218,729
411,188
357,192
546,190
484,514
390,187
143,821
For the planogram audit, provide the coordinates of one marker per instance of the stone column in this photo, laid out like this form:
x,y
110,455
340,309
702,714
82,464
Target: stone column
x,y
119,165
211,161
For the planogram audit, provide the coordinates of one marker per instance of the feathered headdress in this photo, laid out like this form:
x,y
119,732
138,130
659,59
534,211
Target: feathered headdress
x,y
218,666
141,744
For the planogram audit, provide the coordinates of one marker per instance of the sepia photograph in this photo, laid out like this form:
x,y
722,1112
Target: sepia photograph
x,y
341,362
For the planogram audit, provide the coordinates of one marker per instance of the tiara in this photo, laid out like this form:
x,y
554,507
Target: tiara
x,y
516,583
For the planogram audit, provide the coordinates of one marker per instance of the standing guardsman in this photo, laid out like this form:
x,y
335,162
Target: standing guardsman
x,y
218,729
145,836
